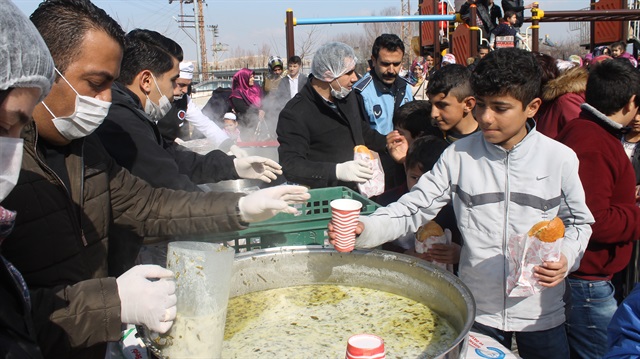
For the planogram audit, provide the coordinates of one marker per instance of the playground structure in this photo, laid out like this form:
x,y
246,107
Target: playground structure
x,y
608,21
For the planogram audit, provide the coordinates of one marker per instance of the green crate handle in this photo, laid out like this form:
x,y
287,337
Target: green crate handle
x,y
286,229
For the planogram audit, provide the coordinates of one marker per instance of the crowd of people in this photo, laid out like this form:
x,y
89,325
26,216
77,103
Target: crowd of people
x,y
92,171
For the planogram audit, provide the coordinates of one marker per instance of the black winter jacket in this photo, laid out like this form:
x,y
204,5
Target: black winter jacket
x,y
314,137
137,145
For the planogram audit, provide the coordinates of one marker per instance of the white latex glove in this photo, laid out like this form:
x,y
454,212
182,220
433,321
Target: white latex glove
x,y
266,203
354,171
256,167
237,151
145,302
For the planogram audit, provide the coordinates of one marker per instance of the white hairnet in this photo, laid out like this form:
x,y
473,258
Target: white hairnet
x,y
25,60
333,60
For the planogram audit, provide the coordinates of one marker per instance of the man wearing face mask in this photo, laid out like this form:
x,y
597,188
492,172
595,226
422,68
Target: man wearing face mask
x,y
70,194
148,74
320,126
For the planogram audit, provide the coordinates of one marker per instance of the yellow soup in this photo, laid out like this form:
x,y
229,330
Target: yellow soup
x,y
315,321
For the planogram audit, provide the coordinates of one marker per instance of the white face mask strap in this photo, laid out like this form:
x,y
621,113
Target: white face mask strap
x,y
65,80
156,82
48,109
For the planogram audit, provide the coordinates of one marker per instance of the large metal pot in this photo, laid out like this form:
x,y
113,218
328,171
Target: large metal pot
x,y
391,272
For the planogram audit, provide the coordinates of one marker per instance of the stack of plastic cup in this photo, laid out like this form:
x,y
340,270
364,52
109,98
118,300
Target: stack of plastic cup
x,y
365,346
344,217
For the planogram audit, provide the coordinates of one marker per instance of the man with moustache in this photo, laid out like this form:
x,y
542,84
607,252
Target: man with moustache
x,y
380,92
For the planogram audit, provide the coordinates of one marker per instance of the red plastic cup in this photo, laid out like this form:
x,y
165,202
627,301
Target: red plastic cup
x,y
365,346
345,213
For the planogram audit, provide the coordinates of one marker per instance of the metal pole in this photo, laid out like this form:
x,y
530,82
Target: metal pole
x,y
368,19
437,58
536,14
198,57
289,24
474,31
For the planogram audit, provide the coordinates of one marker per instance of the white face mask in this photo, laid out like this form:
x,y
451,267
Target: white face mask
x,y
157,111
88,115
339,94
10,163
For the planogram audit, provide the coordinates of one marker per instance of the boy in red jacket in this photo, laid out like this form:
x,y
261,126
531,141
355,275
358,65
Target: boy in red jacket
x,y
608,178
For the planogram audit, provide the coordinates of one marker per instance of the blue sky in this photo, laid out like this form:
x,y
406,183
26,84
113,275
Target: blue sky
x,y
251,23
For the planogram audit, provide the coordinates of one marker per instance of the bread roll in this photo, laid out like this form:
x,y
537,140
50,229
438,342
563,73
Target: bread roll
x,y
431,229
548,231
363,149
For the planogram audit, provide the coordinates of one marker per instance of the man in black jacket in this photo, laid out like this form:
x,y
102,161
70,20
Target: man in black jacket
x,y
142,95
320,126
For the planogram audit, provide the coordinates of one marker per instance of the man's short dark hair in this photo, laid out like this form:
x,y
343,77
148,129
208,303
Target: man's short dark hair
x,y
483,47
415,117
295,59
64,23
389,42
425,152
509,71
452,78
611,84
147,50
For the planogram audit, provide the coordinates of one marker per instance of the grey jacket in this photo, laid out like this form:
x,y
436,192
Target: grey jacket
x,y
497,194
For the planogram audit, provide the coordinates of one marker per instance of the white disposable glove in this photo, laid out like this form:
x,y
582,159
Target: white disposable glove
x,y
146,302
256,167
354,171
237,151
266,203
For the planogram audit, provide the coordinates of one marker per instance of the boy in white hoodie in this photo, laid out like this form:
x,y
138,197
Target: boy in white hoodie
x,y
501,182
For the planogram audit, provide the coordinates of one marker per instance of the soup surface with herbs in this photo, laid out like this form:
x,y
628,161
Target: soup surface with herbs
x,y
315,321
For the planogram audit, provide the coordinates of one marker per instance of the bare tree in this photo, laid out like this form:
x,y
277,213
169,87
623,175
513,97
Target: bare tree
x,y
375,29
308,45
360,45
563,49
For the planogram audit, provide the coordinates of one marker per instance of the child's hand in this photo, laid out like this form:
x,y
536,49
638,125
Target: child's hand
x,y
332,234
397,146
444,253
412,252
550,274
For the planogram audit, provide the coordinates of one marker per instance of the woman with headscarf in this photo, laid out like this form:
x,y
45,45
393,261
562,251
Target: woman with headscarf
x,y
418,72
246,99
26,76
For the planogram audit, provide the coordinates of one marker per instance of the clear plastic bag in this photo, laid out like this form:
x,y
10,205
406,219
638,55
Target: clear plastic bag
x,y
425,246
375,185
524,253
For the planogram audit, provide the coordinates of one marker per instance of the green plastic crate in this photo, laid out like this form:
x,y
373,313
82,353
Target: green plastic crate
x,y
308,228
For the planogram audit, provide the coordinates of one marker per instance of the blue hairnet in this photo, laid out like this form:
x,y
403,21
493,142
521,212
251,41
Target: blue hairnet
x,y
25,60
333,60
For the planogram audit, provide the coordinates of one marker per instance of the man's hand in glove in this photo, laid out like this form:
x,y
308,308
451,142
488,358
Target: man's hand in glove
x,y
146,302
237,151
256,167
354,171
266,203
